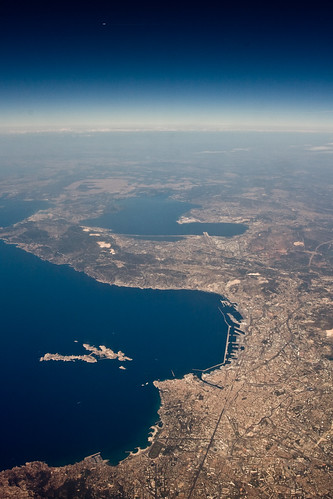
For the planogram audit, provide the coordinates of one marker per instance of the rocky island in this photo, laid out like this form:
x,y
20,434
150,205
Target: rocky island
x,y
102,353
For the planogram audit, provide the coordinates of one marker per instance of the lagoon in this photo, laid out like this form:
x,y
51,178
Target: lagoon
x,y
155,217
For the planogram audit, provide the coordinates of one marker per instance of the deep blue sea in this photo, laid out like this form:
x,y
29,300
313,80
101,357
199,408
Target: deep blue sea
x,y
60,412
155,217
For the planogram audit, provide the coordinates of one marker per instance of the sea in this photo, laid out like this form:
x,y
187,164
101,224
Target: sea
x,y
62,411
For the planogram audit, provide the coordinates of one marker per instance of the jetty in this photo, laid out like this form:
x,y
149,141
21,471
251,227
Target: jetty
x,y
228,336
228,342
96,459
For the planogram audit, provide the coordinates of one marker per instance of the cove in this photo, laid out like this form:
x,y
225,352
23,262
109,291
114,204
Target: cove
x,y
157,216
60,412
13,210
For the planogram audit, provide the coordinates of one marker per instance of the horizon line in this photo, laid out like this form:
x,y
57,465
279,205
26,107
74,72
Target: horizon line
x,y
85,130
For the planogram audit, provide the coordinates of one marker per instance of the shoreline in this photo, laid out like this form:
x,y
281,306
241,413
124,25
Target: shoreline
x,y
156,428
153,429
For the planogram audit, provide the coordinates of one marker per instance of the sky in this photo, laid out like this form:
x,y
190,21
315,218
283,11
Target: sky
x,y
137,65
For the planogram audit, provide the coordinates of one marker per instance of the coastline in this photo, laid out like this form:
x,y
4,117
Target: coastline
x,y
154,429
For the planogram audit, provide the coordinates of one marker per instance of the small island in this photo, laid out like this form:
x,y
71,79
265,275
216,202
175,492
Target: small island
x,y
96,353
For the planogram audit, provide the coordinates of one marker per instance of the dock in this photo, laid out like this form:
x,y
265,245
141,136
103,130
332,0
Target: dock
x,y
228,336
230,341
95,458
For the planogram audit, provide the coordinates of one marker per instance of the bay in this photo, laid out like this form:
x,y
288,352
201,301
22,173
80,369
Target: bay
x,y
60,412
13,210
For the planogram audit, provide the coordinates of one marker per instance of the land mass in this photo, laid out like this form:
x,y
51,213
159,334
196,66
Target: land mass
x,y
259,426
102,353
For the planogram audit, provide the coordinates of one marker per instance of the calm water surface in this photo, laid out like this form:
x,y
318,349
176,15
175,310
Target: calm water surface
x,y
13,210
62,411
157,216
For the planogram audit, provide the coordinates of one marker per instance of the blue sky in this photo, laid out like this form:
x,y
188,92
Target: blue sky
x,y
138,65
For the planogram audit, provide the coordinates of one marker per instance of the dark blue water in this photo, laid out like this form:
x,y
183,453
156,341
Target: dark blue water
x,y
157,216
62,411
13,210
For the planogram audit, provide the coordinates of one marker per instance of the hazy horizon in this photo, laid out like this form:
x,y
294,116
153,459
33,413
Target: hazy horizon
x,y
144,66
